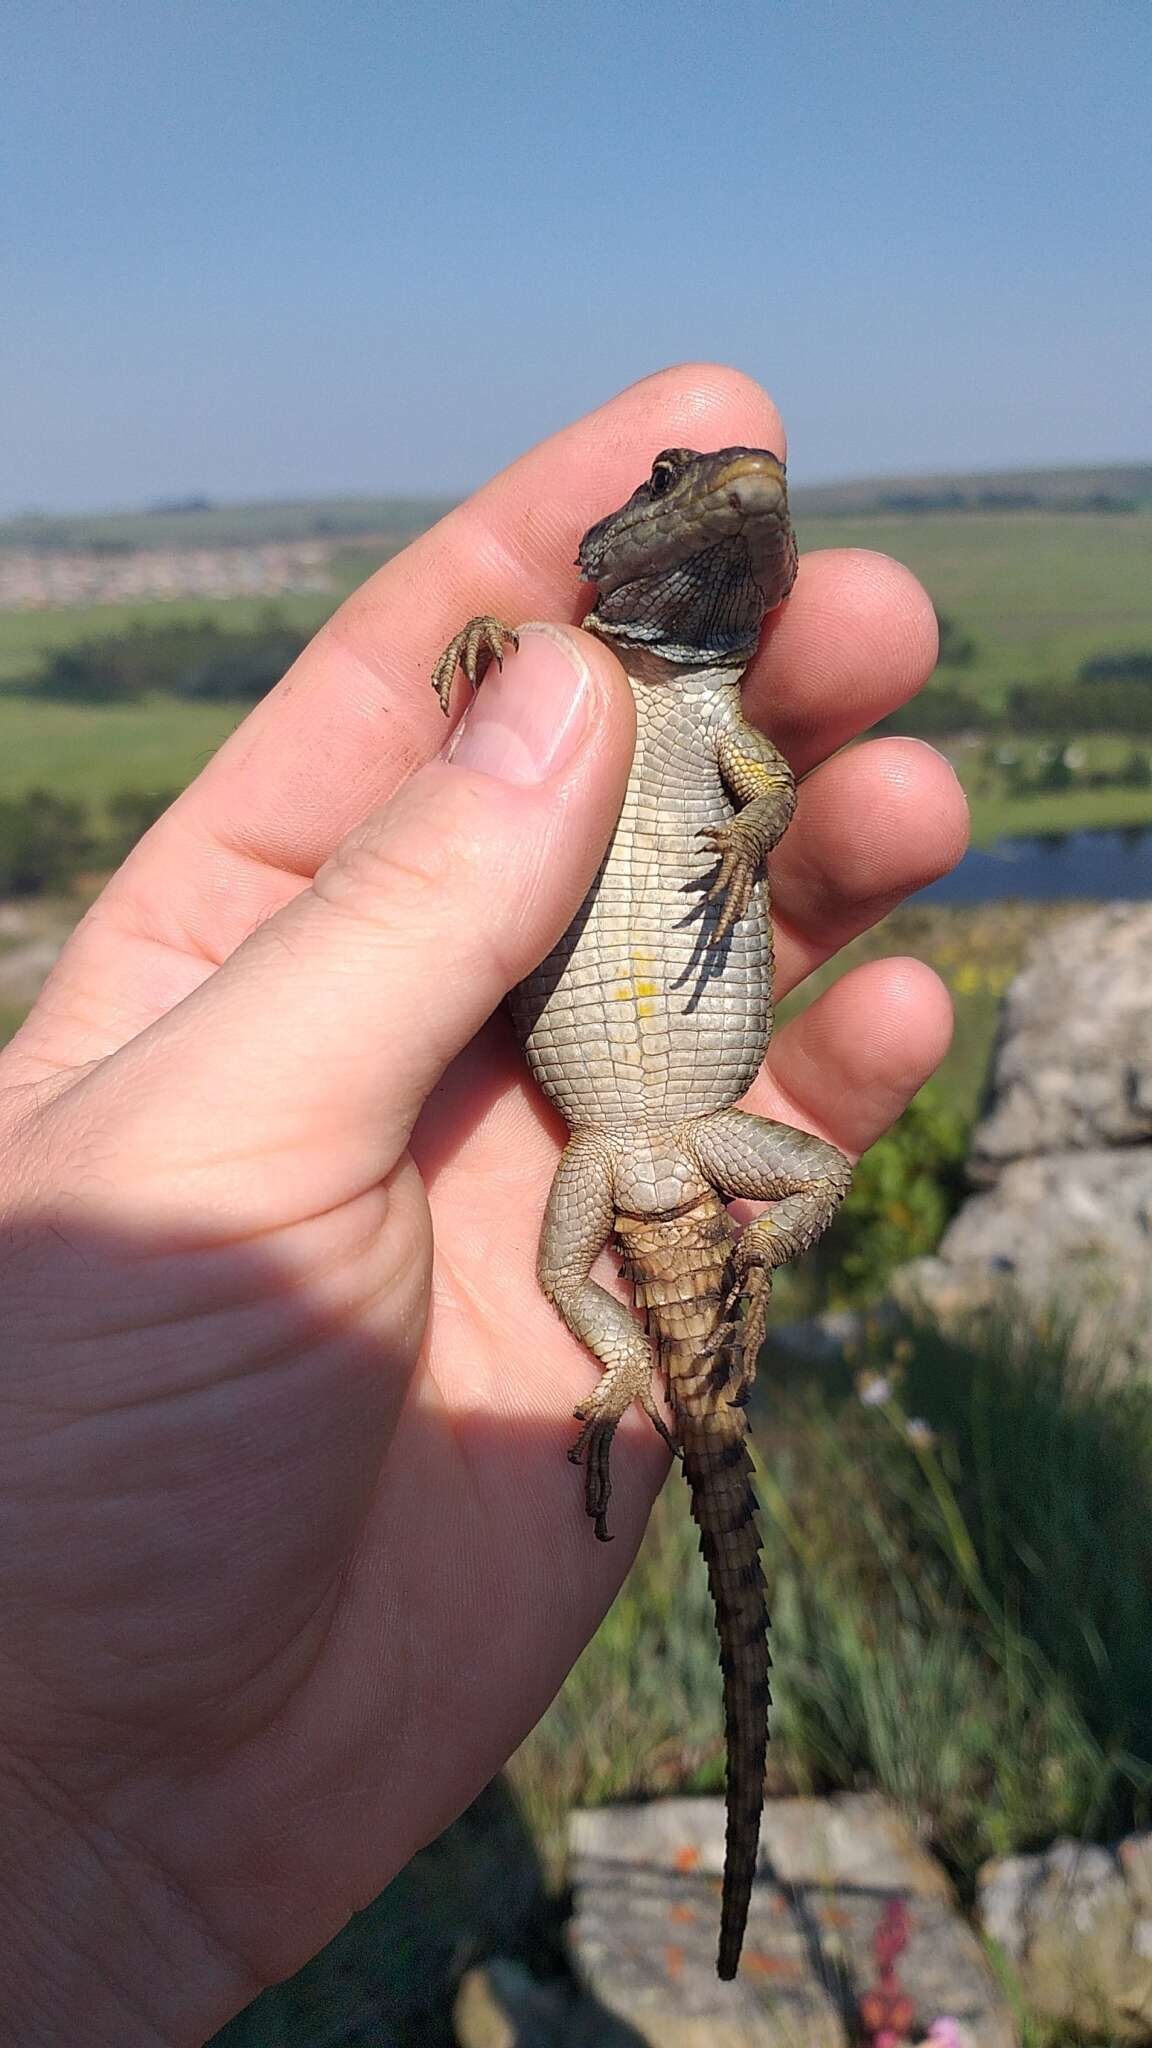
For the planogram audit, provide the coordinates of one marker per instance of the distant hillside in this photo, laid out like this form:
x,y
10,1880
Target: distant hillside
x,y
1105,487
198,523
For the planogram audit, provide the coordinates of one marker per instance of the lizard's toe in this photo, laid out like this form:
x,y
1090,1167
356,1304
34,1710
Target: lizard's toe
x,y
736,875
592,1449
481,641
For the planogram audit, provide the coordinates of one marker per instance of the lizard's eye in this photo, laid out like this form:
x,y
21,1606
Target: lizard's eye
x,y
663,476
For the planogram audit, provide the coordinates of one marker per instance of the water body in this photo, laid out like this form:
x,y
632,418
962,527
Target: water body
x,y
1058,865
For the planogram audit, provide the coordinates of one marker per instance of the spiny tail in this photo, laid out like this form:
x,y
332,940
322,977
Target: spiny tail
x,y
679,1269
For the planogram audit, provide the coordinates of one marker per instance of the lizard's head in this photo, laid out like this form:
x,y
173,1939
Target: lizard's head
x,y
702,549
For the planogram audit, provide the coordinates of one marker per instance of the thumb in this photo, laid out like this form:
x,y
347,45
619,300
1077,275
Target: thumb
x,y
314,1046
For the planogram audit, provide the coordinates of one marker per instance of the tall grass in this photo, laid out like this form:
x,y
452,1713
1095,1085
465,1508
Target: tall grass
x,y
1052,1472
962,1607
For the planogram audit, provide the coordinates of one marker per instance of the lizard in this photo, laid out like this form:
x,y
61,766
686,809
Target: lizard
x,y
647,1023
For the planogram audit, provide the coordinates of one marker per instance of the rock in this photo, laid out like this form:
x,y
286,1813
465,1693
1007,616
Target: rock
x,y
1063,1153
1072,1068
646,1885
934,1289
1069,1233
1075,1925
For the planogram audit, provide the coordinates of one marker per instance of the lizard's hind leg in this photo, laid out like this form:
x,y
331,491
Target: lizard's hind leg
x,y
804,1179
578,1223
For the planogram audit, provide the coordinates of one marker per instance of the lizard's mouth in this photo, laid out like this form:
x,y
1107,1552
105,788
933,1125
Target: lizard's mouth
x,y
751,477
717,499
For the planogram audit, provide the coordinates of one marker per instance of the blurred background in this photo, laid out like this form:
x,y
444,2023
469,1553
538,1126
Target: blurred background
x,y
285,279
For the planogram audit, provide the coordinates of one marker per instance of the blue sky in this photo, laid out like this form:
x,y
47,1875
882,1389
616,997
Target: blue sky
x,y
257,247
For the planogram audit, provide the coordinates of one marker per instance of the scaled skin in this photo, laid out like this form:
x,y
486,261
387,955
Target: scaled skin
x,y
257,1084
648,1023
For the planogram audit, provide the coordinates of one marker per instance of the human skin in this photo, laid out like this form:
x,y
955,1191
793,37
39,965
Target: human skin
x,y
291,1557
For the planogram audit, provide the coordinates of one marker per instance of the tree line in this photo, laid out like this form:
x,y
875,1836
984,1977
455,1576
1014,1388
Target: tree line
x,y
47,841
194,658
1111,693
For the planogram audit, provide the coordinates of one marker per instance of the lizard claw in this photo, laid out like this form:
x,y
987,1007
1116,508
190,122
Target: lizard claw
x,y
481,641
592,1449
600,1414
740,1331
736,877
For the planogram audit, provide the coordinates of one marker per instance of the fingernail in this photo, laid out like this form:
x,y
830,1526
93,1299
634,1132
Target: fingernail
x,y
528,718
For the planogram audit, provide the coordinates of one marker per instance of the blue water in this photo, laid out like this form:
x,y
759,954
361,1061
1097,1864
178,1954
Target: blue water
x,y
1092,864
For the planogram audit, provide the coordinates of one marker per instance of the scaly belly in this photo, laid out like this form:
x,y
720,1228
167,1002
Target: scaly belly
x,y
636,1017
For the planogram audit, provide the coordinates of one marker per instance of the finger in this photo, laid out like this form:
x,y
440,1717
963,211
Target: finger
x,y
356,715
856,639
290,1081
850,1064
872,826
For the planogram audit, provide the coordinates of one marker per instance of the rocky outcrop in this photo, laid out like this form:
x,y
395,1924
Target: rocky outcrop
x,y
1072,1068
646,1899
1074,1926
1062,1155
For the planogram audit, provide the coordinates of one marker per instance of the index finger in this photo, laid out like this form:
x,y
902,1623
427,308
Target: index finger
x,y
355,715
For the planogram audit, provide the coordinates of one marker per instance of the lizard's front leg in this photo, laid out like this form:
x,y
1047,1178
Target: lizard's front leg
x,y
804,1179
763,787
577,1225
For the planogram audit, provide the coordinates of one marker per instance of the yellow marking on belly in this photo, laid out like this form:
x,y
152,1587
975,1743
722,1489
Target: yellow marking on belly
x,y
639,992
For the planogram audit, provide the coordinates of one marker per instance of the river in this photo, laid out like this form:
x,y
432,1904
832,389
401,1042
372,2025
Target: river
x,y
1098,865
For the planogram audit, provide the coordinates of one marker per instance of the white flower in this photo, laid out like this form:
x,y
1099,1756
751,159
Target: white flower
x,y
874,1390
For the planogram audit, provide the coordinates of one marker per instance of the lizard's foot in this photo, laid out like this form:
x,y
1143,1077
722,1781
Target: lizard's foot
x,y
600,1414
735,1343
740,856
481,641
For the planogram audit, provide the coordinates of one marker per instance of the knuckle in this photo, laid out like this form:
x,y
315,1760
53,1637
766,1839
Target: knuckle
x,y
377,876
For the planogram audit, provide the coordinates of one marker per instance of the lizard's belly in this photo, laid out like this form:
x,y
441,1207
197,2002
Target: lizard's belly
x,y
637,1016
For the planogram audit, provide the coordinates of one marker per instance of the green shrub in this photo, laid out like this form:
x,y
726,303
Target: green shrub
x,y
47,842
183,657
44,841
1134,667
939,711
957,648
1136,772
903,1192
1123,704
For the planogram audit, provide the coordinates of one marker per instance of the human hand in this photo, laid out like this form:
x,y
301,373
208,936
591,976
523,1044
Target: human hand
x,y
292,1554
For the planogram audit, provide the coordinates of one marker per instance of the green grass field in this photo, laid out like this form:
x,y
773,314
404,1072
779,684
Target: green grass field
x,y
1069,810
1038,592
26,638
92,752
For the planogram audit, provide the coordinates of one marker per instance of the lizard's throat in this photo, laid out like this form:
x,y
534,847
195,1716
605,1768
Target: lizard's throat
x,y
705,610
